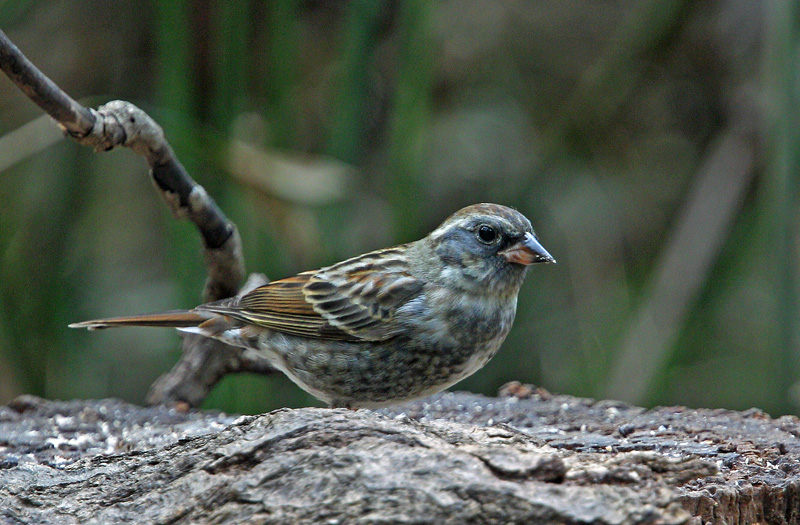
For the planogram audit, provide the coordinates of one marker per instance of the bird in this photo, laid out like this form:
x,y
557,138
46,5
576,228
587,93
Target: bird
x,y
391,325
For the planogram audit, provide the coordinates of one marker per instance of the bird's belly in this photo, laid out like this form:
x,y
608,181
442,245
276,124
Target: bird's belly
x,y
373,374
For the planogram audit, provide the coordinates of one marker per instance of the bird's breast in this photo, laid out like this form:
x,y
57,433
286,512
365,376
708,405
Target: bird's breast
x,y
466,320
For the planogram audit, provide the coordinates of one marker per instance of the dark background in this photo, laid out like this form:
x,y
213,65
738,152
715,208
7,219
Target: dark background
x,y
654,146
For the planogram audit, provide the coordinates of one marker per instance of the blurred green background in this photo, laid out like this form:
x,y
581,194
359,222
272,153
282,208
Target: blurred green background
x,y
654,146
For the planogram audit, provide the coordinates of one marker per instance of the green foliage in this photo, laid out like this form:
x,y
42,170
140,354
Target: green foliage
x,y
324,129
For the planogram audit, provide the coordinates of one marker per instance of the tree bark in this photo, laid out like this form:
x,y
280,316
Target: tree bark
x,y
453,458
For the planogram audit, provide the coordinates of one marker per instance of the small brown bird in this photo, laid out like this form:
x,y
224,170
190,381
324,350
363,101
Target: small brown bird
x,y
384,327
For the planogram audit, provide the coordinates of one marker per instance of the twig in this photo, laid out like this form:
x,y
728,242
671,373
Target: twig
x,y
205,361
120,123
73,117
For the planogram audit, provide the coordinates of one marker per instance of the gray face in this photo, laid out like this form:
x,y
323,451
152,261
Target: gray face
x,y
468,245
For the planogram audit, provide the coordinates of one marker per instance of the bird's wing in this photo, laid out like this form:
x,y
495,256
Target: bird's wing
x,y
282,306
352,300
361,296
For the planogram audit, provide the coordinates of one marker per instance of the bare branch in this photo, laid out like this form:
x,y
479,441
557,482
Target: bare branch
x,y
120,123
205,361
75,119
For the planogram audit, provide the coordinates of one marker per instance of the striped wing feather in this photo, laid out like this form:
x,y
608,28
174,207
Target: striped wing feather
x,y
352,300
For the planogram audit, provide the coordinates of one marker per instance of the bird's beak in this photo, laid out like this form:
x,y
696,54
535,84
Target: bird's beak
x,y
527,251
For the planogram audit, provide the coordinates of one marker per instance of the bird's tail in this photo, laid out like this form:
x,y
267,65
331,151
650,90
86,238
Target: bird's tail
x,y
174,319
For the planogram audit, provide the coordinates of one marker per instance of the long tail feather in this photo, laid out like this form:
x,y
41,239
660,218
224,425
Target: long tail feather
x,y
174,319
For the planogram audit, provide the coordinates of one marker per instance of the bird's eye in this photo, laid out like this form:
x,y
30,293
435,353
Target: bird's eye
x,y
487,234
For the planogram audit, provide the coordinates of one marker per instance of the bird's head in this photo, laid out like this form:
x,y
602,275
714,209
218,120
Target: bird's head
x,y
484,248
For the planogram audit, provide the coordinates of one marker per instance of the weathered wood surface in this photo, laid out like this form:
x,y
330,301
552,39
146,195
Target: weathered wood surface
x,y
454,458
